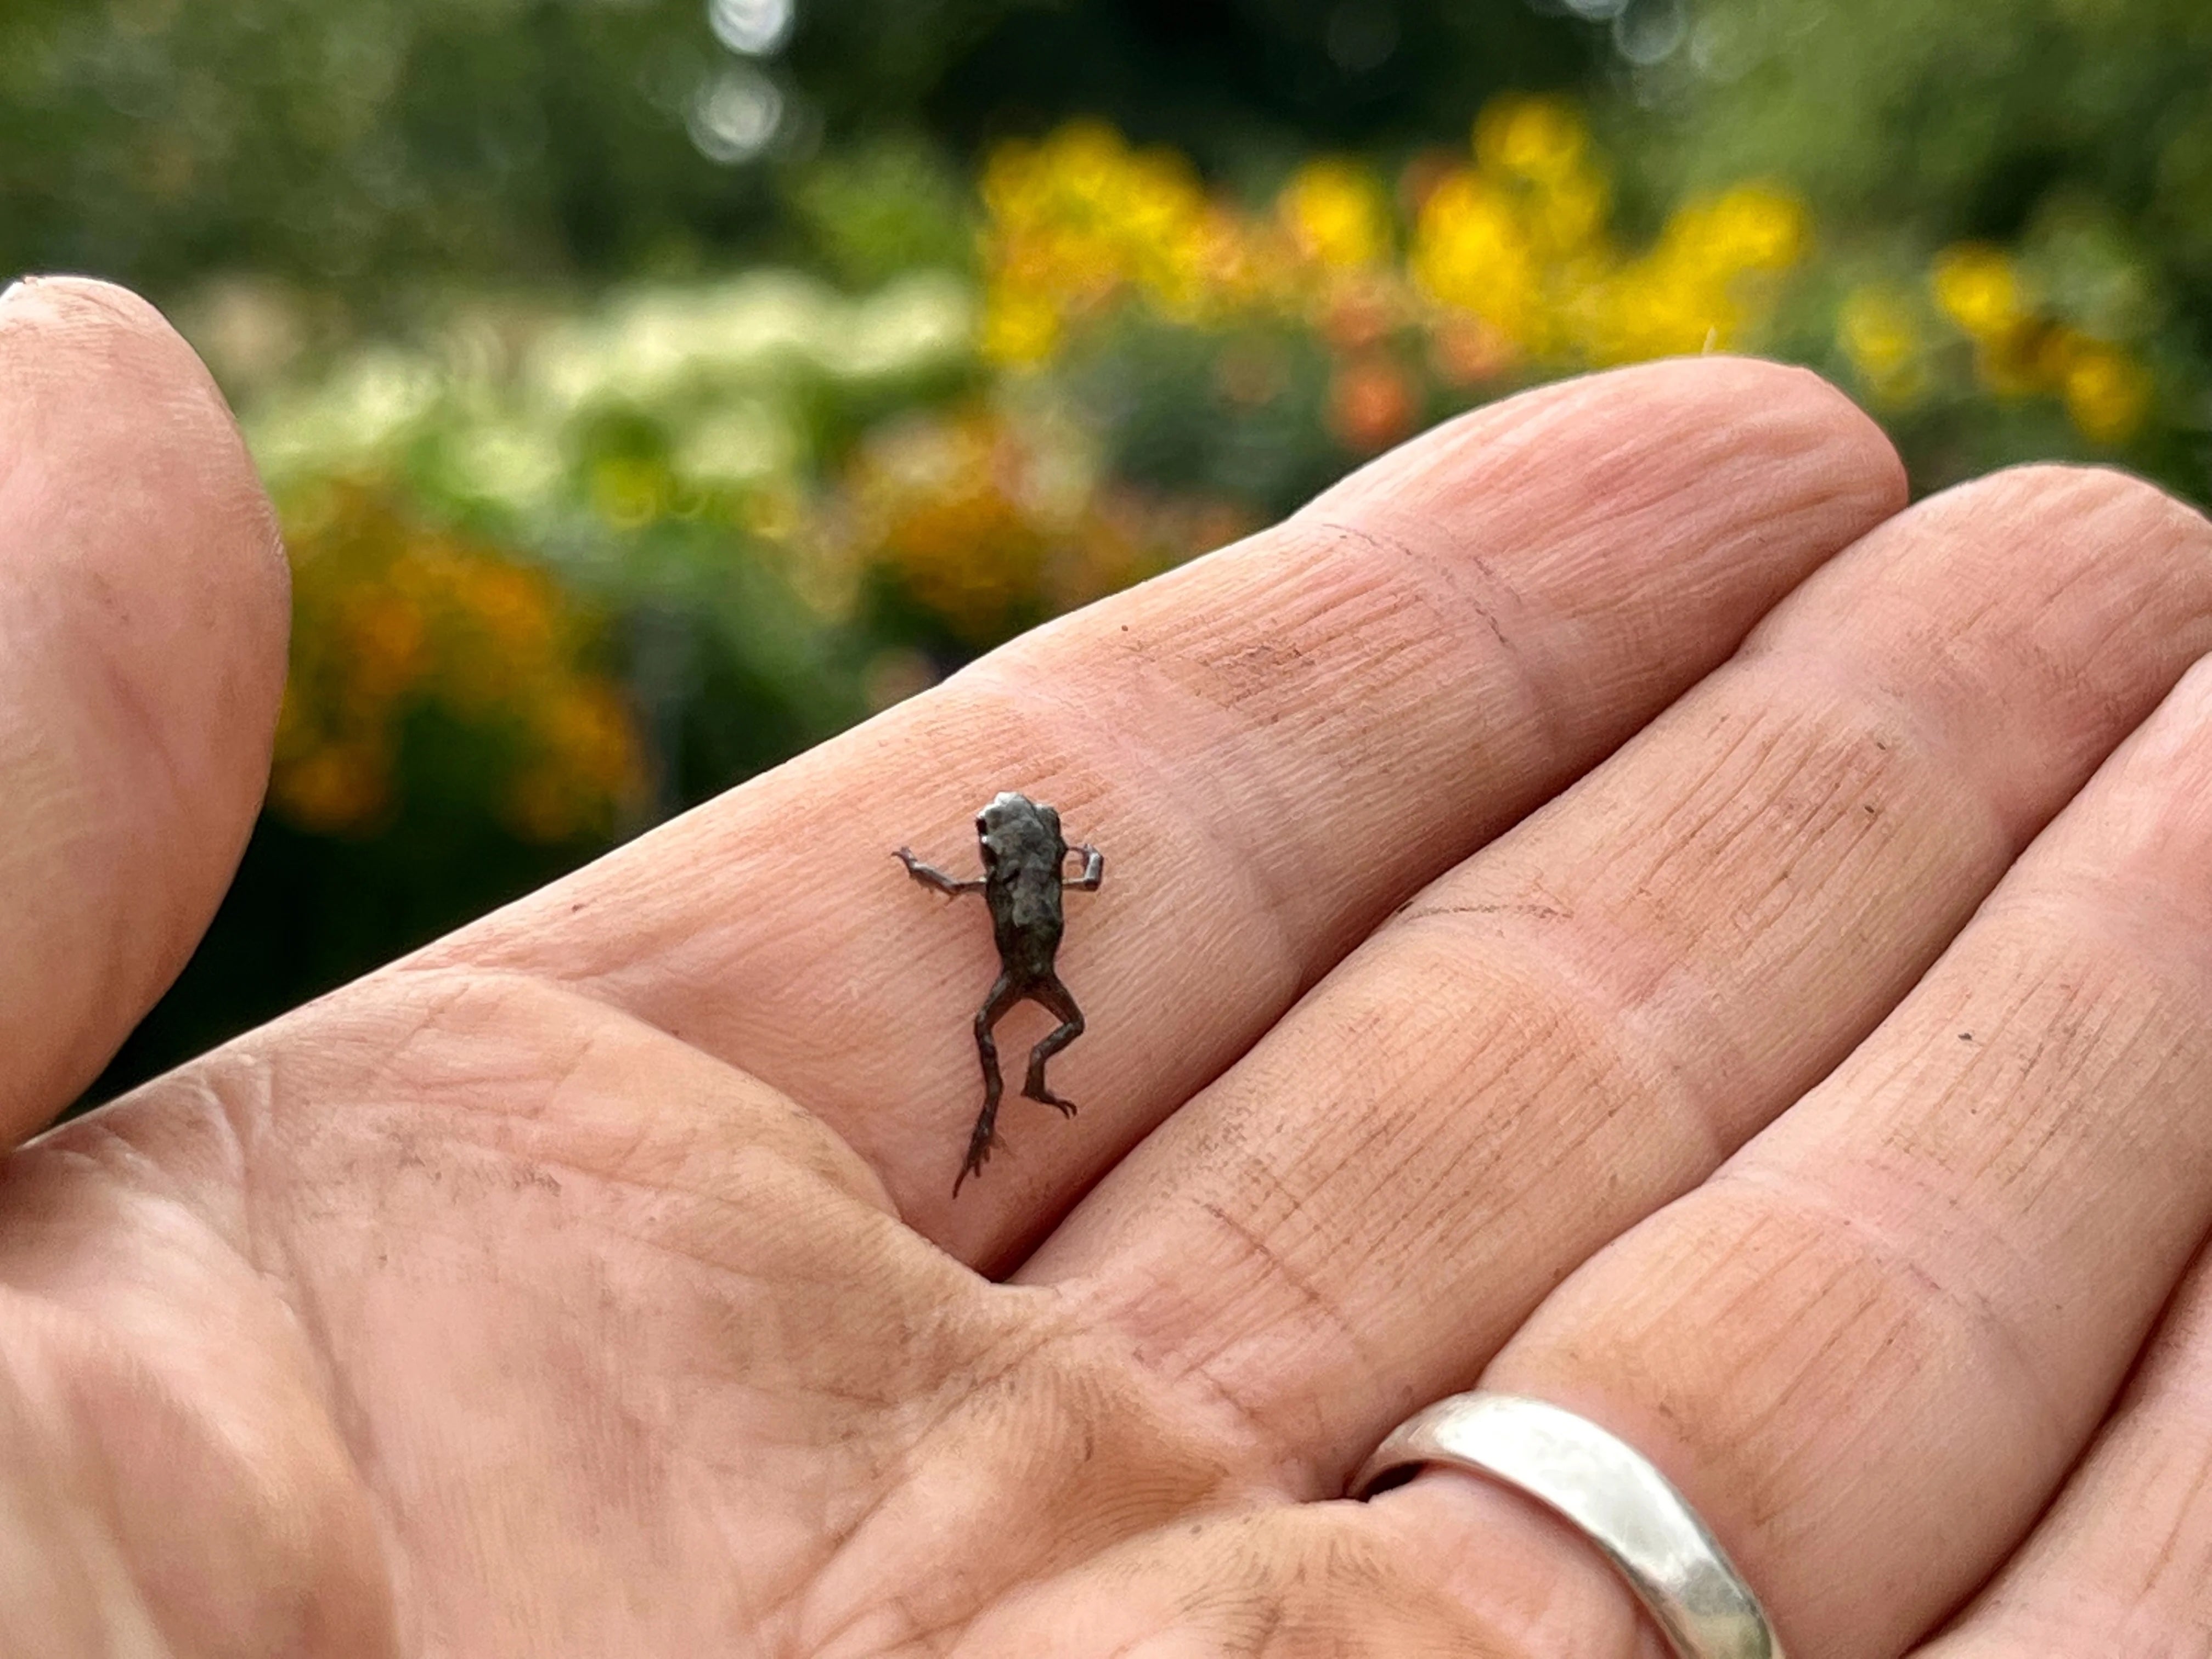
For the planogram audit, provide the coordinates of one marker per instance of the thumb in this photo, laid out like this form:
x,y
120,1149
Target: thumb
x,y
144,608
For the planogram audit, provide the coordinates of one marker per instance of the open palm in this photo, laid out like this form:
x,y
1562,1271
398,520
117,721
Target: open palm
x,y
1598,904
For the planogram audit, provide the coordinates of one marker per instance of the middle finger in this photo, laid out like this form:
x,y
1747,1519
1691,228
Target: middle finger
x,y
1583,1021
1273,746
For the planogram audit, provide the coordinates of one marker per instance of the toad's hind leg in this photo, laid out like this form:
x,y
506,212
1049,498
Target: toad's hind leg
x,y
1054,997
1004,995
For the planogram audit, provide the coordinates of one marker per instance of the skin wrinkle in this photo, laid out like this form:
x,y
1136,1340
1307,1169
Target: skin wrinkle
x,y
1756,534
1612,974
1702,803
976,1385
2162,1561
217,1436
256,1250
500,1003
1850,1356
111,1592
1450,574
2105,908
354,1426
1702,1468
2051,1063
1804,759
803,1580
1759,816
1391,619
1195,1370
2053,1070
1434,646
1474,1158
2075,1036
1910,731
1604,1031
1883,1248
224,1200
508,995
1521,454
1268,1624
1316,602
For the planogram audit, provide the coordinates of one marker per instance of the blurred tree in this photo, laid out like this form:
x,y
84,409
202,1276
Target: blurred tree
x,y
372,147
2077,133
1245,85
364,146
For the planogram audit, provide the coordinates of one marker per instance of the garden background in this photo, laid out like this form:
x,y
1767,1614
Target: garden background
x,y
650,391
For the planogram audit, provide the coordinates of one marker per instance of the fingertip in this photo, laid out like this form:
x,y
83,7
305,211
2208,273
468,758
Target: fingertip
x,y
81,352
2103,498
1799,412
1773,430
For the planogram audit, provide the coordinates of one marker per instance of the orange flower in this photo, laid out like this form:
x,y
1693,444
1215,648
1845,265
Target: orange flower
x,y
1372,404
393,617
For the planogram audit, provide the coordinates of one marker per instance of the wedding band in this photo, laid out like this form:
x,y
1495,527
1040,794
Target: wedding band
x,y
1608,1489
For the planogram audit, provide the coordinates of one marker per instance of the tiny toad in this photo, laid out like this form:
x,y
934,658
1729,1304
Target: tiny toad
x,y
1024,870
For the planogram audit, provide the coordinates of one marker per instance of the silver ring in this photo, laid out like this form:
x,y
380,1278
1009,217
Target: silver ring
x,y
1608,1489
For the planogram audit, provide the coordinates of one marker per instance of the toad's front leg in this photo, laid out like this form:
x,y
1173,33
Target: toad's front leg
x,y
930,876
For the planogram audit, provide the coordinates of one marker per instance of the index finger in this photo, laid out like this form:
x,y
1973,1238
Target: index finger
x,y
1272,746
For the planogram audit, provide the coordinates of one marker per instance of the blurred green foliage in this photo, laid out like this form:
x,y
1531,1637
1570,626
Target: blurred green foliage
x,y
651,388
2076,134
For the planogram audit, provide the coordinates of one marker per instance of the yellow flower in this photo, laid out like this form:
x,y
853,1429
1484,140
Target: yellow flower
x,y
1979,289
1655,308
1874,330
1566,216
1472,253
1531,137
1021,327
1337,214
1511,254
1750,228
2108,393
1080,218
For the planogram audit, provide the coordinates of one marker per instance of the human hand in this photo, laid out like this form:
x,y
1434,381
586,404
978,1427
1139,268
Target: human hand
x,y
1512,971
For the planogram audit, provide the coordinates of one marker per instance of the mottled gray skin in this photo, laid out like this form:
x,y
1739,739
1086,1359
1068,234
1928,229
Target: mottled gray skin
x,y
1024,872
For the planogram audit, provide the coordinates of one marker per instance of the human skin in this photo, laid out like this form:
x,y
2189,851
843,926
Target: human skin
x,y
1607,903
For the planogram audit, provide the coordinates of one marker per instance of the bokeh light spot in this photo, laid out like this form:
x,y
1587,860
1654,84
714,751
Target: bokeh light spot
x,y
752,27
735,115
